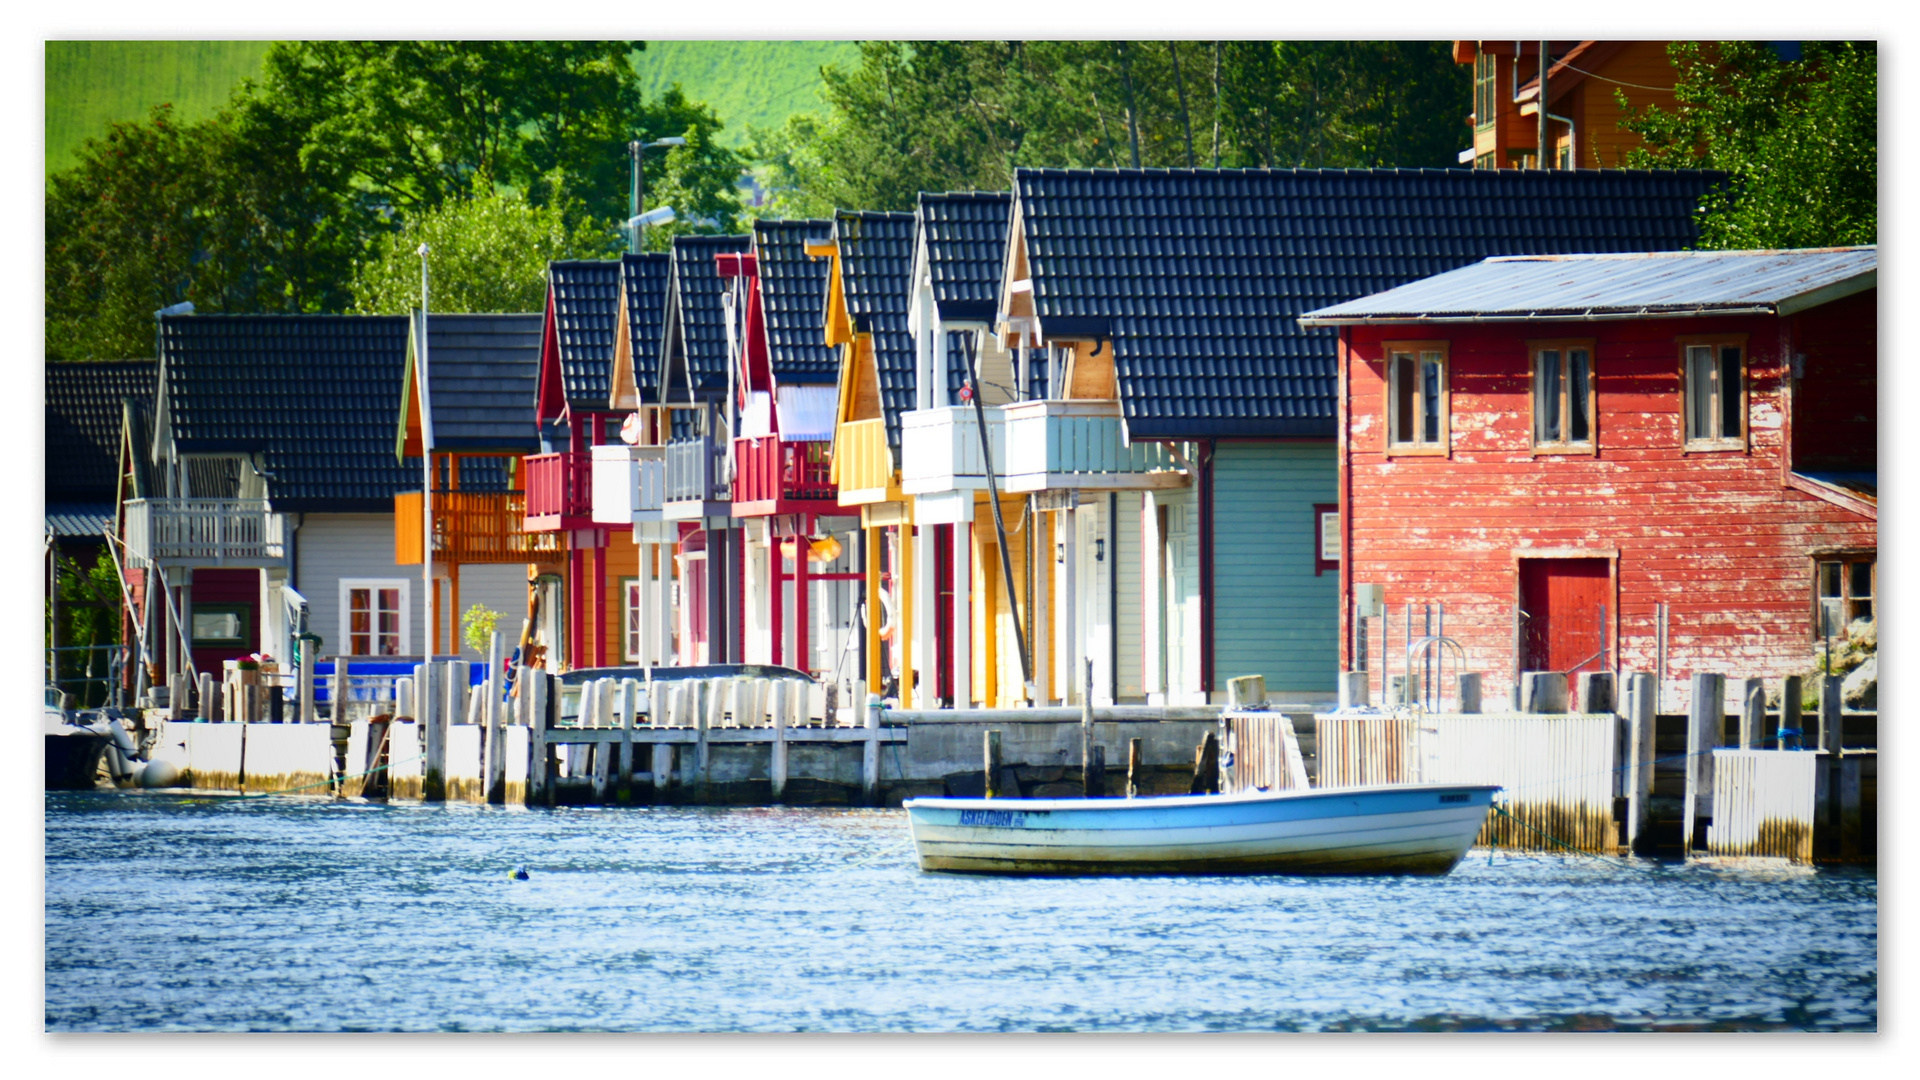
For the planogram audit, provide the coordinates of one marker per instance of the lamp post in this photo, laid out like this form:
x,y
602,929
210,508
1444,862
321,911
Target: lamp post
x,y
638,196
424,692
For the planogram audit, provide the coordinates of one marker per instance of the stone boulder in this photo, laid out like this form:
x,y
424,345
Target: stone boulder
x,y
1861,690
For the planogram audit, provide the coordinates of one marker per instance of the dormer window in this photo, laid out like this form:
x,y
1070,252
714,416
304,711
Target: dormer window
x,y
1417,401
1713,392
1564,399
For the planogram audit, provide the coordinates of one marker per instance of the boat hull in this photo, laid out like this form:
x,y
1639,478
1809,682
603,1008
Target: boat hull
x,y
1404,829
73,759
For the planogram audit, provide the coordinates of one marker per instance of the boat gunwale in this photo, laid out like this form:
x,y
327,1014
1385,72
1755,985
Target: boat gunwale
x,y
1171,802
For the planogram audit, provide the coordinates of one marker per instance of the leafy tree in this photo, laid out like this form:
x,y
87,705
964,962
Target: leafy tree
x,y
484,253
930,116
1797,138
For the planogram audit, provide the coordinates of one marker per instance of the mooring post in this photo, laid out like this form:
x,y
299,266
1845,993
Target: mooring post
x,y
992,766
629,702
1353,689
1206,767
1134,773
203,703
305,688
703,751
1849,785
433,712
1545,692
1706,727
777,761
533,694
1596,692
1830,714
1791,689
1753,712
1087,781
495,717
378,782
1468,691
715,704
1640,721
870,751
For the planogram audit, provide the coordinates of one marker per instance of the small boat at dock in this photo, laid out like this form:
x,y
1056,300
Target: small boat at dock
x,y
1397,829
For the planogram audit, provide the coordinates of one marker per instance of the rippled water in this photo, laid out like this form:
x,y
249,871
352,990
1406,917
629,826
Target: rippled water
x,y
168,913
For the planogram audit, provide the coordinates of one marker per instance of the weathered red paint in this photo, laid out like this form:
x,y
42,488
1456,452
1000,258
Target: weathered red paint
x,y
1720,537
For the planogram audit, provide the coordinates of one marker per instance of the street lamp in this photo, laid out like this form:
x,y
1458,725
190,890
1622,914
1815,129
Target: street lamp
x,y
637,148
659,215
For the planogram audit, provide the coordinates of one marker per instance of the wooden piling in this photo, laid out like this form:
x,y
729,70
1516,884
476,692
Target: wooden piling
x,y
1087,780
1640,752
534,692
1468,691
991,739
1791,688
1753,713
1543,692
1706,725
1134,773
343,690
629,701
870,752
1206,767
1245,692
703,750
777,763
304,691
433,725
494,716
1353,689
204,704
1097,773
378,783
1849,800
1596,692
1830,714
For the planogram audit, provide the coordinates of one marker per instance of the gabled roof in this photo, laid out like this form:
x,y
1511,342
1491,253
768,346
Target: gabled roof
x,y
876,263
315,396
965,236
84,417
483,372
583,304
1198,276
793,291
693,346
1667,284
643,281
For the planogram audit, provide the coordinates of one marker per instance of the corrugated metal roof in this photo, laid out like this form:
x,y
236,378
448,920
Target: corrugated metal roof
x,y
1575,287
1199,276
79,521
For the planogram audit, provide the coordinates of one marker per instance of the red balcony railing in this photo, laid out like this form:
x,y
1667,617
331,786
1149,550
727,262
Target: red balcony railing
x,y
768,470
559,490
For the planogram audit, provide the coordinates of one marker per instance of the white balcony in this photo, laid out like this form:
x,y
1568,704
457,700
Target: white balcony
x,y
940,449
1077,445
205,533
629,483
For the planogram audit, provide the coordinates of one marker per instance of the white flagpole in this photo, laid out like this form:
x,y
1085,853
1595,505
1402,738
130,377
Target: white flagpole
x,y
424,695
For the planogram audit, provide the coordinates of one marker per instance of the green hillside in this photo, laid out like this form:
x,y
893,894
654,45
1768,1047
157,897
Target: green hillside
x,y
91,83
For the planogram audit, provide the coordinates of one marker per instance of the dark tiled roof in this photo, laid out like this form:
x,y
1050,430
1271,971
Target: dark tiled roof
x,y
645,278
876,272
484,372
585,298
793,296
1199,275
697,324
83,426
316,395
966,238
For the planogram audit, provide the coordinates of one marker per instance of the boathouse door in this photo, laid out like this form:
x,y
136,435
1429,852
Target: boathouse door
x,y
1563,605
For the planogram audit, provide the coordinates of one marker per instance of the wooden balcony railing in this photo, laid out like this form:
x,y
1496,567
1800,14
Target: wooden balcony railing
x,y
629,483
696,471
1077,445
559,490
862,463
471,527
769,471
206,532
940,449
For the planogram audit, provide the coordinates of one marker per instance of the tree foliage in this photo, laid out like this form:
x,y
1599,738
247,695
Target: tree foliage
x,y
488,252
940,115
1798,139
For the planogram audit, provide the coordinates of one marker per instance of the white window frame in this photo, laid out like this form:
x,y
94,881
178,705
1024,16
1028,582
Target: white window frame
x,y
347,585
631,611
1420,354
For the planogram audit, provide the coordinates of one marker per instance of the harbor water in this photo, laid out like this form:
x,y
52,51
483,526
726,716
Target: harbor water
x,y
172,913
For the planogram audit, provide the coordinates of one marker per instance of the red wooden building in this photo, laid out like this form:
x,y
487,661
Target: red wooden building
x,y
1560,448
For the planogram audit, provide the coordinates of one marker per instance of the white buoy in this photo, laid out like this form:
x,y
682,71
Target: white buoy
x,y
159,773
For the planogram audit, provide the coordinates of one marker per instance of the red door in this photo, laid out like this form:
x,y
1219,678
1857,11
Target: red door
x,y
1563,605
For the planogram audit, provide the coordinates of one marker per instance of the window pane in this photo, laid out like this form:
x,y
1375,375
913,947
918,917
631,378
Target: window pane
x,y
1861,585
1578,428
1430,399
1699,392
1403,401
1730,418
1829,579
1546,396
390,599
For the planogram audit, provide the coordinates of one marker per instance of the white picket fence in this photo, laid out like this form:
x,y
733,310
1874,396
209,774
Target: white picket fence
x,y
1763,803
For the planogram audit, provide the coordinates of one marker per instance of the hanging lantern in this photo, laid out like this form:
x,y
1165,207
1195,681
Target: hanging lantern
x,y
824,550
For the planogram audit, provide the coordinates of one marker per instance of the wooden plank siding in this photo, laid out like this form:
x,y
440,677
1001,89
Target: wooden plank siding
x,y
1717,536
1272,614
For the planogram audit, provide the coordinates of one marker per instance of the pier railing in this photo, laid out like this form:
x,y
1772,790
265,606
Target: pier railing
x,y
696,474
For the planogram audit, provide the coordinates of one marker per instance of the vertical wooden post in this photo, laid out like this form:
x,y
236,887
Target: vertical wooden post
x,y
629,698
703,751
870,752
494,716
1086,741
533,699
1206,767
342,691
992,747
305,689
1640,721
433,716
1596,691
204,703
1134,771
1353,689
1753,713
602,751
1468,691
1830,714
1849,799
1706,726
777,765
1791,690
